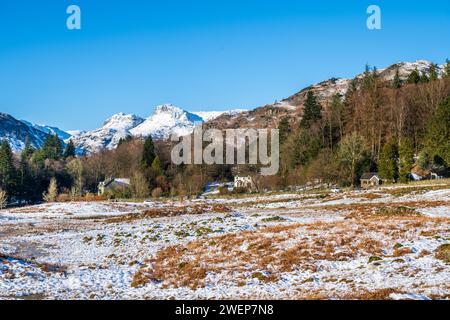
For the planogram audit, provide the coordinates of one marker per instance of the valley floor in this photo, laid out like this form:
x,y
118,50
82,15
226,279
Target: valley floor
x,y
388,243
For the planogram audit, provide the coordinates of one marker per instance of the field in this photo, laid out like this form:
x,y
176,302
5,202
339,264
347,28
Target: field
x,y
388,243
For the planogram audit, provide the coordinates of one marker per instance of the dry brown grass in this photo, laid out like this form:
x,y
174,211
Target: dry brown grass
x,y
443,253
283,248
170,212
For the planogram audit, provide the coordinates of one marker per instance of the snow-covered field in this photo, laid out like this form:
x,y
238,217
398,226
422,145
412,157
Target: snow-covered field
x,y
390,243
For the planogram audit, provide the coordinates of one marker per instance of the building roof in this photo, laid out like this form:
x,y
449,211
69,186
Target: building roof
x,y
369,175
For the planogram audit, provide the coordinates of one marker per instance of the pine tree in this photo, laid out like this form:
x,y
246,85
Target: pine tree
x,y
52,148
433,72
414,77
283,128
396,82
446,73
24,175
368,78
148,155
406,159
7,170
312,110
424,78
437,141
388,163
70,150
28,150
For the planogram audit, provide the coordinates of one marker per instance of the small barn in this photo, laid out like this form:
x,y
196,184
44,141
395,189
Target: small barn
x,y
370,179
113,183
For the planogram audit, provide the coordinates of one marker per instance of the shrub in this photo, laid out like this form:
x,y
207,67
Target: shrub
x,y
52,192
157,192
223,190
63,197
240,190
443,253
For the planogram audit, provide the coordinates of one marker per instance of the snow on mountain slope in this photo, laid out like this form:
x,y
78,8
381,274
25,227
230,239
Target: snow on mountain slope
x,y
16,133
211,115
108,136
166,120
63,135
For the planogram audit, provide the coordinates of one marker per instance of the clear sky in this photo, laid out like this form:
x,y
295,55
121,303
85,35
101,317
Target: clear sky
x,y
132,55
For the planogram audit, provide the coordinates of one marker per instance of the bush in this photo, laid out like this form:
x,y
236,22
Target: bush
x,y
223,190
119,193
63,197
443,253
157,192
240,190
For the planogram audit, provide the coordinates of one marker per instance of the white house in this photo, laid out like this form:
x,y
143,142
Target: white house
x,y
113,183
244,182
370,179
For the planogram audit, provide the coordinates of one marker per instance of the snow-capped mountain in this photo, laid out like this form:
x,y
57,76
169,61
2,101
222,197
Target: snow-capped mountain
x,y
17,132
108,136
166,120
63,135
268,116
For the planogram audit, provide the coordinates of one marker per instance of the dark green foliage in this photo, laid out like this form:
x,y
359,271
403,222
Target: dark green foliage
x,y
70,150
414,77
433,72
148,155
7,170
396,82
424,78
388,163
127,139
446,73
406,159
312,110
437,141
284,129
52,148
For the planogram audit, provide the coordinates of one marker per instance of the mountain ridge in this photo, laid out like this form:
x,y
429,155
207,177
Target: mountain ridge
x,y
168,119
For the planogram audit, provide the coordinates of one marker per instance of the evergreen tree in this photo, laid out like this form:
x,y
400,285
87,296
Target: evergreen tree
x,y
312,110
7,170
414,77
433,72
446,73
424,78
388,163
127,139
396,82
24,175
148,155
437,141
368,78
283,128
406,159
52,148
70,150
28,150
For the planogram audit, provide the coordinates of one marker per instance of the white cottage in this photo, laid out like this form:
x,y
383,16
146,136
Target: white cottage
x,y
244,182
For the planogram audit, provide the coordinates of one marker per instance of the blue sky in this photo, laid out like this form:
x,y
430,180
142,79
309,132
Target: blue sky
x,y
132,55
